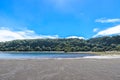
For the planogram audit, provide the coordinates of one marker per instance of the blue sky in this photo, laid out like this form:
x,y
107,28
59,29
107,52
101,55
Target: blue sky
x,y
27,19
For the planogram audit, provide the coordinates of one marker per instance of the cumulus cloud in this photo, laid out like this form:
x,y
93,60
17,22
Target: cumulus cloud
x,y
110,31
8,35
103,20
75,37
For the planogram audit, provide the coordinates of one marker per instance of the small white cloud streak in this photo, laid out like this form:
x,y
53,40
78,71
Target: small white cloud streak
x,y
8,35
75,37
110,31
63,6
95,29
60,4
102,20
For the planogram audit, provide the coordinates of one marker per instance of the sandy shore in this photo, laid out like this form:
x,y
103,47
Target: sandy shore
x,y
60,69
112,56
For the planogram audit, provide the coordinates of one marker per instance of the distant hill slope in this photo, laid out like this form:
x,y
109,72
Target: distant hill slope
x,y
94,44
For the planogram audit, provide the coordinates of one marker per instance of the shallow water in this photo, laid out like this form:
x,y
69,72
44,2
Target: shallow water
x,y
31,55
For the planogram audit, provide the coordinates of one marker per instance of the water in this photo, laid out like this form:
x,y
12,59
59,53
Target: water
x,y
41,55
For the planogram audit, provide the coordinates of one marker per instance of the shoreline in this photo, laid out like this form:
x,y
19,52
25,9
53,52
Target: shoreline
x,y
98,55
89,52
76,58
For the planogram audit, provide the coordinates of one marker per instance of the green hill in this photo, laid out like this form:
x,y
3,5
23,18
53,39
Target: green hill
x,y
106,43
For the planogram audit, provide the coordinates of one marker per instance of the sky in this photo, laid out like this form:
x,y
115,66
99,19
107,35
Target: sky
x,y
83,19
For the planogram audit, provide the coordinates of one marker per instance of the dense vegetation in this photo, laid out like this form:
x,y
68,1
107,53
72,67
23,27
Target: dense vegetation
x,y
94,44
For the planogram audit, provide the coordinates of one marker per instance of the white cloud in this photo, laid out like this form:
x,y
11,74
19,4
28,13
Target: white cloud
x,y
8,35
110,31
75,37
95,29
103,20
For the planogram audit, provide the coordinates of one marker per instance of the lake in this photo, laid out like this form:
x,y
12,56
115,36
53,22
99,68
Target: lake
x,y
41,55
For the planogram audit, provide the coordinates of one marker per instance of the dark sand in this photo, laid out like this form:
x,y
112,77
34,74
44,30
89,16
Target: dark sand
x,y
64,69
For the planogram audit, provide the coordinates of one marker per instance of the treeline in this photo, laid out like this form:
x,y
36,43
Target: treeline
x,y
68,45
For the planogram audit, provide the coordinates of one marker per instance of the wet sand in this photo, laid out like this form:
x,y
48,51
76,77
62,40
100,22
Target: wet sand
x,y
60,69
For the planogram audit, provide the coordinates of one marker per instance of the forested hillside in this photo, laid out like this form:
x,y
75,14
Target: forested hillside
x,y
68,45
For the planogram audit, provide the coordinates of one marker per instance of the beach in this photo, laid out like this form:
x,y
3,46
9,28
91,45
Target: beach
x,y
60,69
